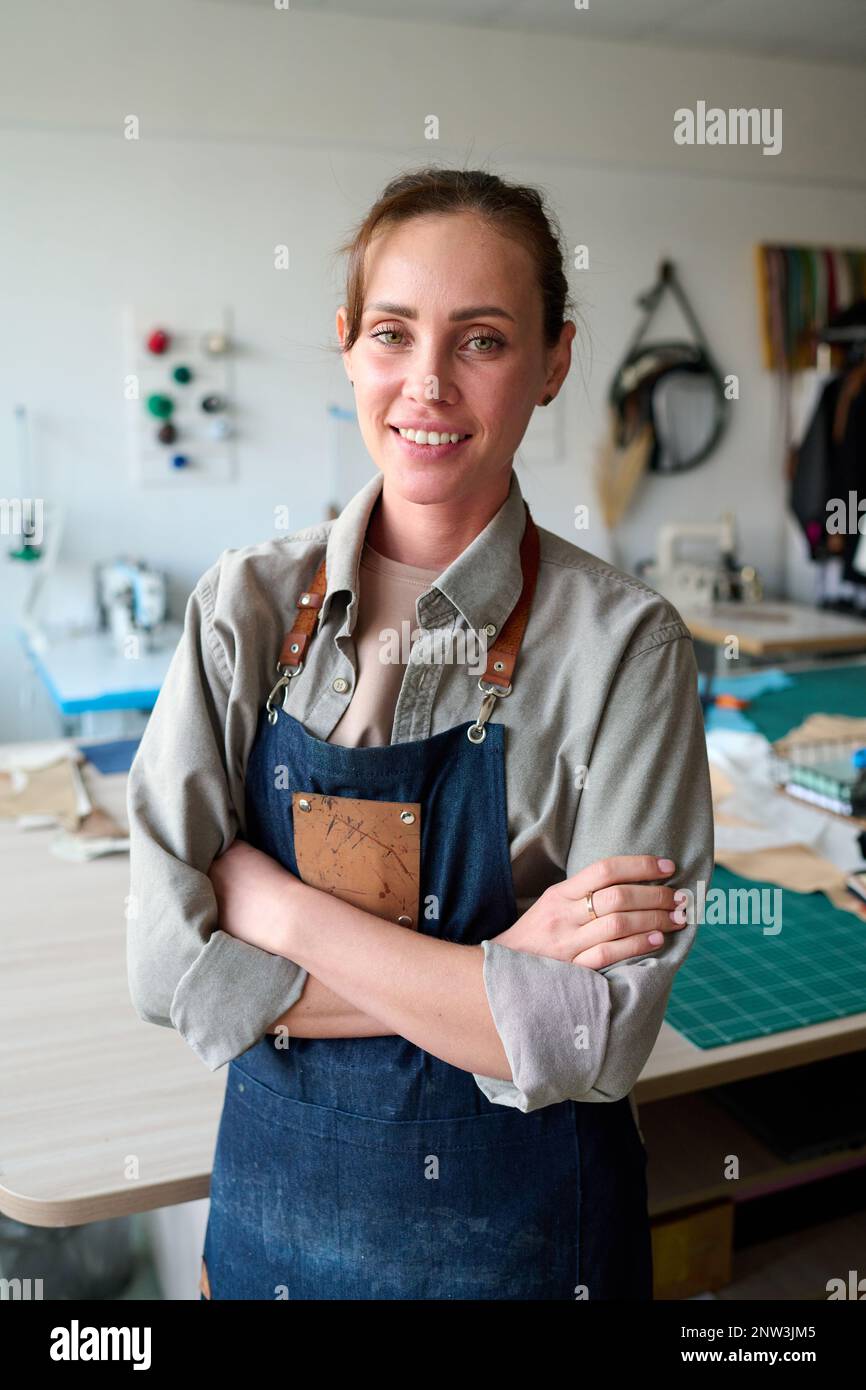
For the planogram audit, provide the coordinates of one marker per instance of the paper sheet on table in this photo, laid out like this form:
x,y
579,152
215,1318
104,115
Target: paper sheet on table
x,y
822,726
43,794
82,848
796,867
31,756
753,820
44,785
756,816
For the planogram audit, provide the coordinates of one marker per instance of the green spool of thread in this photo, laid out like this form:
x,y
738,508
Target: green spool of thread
x,y
161,406
182,375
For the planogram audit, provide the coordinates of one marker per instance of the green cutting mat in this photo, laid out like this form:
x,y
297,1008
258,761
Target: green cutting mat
x,y
822,691
739,983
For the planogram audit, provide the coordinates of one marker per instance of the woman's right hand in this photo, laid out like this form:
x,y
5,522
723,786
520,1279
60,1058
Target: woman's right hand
x,y
628,911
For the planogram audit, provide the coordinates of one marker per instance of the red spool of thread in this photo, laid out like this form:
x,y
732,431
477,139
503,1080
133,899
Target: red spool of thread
x,y
158,341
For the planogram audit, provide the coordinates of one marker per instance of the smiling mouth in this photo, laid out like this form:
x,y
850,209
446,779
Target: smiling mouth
x,y
430,439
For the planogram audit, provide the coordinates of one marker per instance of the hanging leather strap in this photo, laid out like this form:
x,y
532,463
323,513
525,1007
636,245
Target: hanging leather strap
x,y
295,643
501,656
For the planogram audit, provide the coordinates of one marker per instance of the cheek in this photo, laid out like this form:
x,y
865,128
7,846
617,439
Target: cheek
x,y
500,400
375,402
376,375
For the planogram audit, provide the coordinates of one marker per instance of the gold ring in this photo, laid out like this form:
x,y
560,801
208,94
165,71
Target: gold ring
x,y
589,907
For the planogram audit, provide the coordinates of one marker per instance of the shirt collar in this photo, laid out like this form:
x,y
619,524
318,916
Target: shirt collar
x,y
483,583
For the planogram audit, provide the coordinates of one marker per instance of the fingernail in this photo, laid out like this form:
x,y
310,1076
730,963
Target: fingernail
x,y
656,938
666,865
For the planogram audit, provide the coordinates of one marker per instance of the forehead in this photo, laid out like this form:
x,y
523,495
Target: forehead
x,y
448,261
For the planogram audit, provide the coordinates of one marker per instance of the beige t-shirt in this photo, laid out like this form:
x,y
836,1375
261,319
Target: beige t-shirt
x,y
388,590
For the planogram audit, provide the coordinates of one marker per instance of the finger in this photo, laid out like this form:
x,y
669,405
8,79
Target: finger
x,y
612,952
620,868
631,897
616,927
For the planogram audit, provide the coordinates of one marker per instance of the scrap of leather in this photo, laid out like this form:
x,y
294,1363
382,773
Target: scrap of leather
x,y
204,1282
362,851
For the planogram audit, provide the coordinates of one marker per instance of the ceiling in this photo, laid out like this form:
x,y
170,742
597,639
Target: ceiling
x,y
816,30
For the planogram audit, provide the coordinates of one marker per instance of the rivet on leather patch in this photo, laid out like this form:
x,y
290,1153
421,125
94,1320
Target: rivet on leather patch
x,y
362,851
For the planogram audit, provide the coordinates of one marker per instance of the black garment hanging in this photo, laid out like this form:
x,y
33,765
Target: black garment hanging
x,y
851,466
816,475
830,463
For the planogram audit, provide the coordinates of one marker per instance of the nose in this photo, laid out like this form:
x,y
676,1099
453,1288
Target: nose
x,y
429,378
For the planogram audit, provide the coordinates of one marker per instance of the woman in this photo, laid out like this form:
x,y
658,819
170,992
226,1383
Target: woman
x,y
445,936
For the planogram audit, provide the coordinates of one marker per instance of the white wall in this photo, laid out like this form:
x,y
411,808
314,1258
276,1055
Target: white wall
x,y
261,127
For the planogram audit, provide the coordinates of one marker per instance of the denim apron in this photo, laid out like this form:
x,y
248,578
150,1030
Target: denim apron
x,y
367,1168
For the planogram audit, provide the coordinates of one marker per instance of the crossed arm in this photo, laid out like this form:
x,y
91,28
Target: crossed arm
x,y
358,966
321,1013
369,977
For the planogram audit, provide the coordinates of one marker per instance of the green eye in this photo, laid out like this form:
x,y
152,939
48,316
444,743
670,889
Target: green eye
x,y
383,333
387,332
486,338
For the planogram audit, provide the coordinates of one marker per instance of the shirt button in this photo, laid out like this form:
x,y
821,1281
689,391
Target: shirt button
x,y
341,685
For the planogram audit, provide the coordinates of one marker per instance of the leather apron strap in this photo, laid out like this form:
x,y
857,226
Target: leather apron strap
x,y
501,656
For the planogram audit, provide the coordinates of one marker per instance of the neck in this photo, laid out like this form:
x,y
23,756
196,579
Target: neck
x,y
431,534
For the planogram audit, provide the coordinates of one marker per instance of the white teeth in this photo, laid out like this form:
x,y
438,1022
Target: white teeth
x,y
431,437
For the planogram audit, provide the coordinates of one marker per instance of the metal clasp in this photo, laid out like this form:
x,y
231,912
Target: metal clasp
x,y
287,673
476,733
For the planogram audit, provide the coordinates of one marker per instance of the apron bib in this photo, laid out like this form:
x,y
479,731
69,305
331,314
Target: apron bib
x,y
367,1168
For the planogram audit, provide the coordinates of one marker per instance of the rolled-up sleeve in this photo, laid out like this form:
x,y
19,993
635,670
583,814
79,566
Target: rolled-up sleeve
x,y
570,1032
221,994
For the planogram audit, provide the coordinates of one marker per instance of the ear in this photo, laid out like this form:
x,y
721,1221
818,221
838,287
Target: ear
x,y
342,323
558,362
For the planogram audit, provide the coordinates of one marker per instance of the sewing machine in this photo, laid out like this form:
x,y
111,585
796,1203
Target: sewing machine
x,y
132,601
700,584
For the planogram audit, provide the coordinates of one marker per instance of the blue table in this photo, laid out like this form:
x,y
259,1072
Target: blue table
x,y
86,674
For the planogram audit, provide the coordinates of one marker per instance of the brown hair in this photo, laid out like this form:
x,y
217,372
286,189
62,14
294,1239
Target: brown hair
x,y
514,210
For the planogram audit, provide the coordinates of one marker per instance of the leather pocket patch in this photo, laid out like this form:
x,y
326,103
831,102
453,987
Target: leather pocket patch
x,y
368,853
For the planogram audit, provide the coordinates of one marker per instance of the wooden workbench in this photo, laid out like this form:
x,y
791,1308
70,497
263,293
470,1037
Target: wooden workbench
x,y
774,628
102,1115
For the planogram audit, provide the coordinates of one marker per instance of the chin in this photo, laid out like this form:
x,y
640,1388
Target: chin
x,y
425,482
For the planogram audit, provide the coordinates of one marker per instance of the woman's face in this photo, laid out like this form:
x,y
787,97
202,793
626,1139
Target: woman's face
x,y
450,341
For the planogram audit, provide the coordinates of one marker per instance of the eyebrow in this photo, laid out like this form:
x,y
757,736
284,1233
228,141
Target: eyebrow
x,y
474,311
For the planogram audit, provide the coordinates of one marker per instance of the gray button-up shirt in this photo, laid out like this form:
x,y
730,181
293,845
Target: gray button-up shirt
x,y
605,755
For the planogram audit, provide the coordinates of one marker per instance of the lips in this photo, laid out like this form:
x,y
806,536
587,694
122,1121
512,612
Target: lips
x,y
434,429
427,430
427,451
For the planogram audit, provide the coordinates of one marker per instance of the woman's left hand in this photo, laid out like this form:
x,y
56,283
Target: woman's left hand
x,y
252,892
